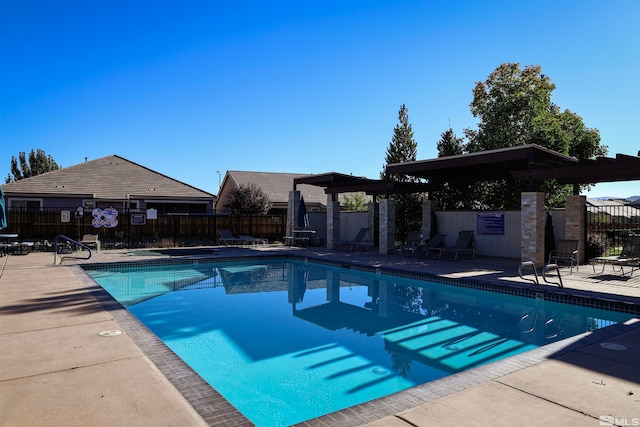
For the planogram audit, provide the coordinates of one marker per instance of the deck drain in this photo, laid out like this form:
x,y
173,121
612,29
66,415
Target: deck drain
x,y
612,346
111,333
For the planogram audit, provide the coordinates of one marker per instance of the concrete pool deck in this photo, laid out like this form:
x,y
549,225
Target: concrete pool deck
x,y
57,370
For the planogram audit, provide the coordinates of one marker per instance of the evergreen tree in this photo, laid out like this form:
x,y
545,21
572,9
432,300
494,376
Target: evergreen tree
x,y
452,195
403,148
38,163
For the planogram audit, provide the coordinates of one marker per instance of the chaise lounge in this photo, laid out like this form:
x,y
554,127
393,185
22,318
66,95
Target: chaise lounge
x,y
629,257
464,245
227,238
435,244
360,241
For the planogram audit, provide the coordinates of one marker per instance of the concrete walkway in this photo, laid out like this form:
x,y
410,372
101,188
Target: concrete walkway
x,y
56,369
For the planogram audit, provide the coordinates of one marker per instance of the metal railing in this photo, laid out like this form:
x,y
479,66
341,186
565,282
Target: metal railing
x,y
71,245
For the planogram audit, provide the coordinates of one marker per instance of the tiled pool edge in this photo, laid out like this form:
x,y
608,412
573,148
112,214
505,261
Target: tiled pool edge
x,y
213,407
562,295
207,402
386,406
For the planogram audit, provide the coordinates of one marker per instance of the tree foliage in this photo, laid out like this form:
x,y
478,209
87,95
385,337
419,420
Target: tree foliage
x,y
453,195
38,163
248,199
514,108
403,148
355,202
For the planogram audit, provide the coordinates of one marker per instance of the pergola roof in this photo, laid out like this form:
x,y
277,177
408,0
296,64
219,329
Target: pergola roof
x,y
481,166
335,183
522,163
586,171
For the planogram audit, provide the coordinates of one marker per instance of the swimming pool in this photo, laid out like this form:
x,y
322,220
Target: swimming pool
x,y
286,341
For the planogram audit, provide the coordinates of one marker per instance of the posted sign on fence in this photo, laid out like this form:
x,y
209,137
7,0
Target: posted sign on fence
x,y
107,218
490,223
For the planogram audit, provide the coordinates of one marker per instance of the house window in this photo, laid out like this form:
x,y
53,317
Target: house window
x,y
34,204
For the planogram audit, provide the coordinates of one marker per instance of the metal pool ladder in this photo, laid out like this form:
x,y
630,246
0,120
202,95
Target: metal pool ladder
x,y
547,268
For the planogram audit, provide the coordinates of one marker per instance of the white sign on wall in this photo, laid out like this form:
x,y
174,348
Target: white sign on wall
x,y
65,216
107,218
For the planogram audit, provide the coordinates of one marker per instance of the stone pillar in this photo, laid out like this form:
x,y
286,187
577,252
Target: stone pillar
x,y
373,209
428,206
387,226
333,286
575,226
333,223
386,298
532,222
292,211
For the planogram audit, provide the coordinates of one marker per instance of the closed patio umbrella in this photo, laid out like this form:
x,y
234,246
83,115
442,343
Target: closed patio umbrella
x,y
303,218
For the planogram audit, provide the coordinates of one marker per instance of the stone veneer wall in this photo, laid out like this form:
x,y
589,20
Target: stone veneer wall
x,y
333,224
428,206
575,223
532,223
387,226
373,209
292,211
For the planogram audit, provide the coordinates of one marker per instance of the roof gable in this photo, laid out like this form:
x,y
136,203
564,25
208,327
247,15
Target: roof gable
x,y
277,185
110,177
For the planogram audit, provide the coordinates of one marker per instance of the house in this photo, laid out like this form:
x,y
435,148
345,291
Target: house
x,y
277,187
110,181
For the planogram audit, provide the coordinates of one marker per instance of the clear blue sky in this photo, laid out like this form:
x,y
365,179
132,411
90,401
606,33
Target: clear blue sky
x,y
189,88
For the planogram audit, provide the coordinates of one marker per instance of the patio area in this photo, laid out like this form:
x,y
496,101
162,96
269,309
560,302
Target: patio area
x,y
64,361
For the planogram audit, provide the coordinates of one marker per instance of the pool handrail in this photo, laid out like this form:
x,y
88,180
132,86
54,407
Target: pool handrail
x,y
68,239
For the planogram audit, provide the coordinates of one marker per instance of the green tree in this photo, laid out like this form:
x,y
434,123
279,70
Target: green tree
x,y
403,148
248,199
514,108
39,162
355,202
452,195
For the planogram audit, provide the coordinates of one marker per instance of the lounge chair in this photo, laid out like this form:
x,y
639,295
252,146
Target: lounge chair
x,y
464,245
629,257
227,238
250,240
91,240
435,244
413,244
360,241
566,251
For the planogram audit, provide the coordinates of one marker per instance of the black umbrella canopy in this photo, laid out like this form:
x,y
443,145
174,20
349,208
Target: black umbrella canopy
x,y
303,218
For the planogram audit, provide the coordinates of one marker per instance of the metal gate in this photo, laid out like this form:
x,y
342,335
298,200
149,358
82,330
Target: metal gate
x,y
612,224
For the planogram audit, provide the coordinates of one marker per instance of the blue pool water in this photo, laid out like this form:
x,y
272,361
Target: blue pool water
x,y
286,341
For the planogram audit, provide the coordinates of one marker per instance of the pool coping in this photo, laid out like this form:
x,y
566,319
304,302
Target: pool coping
x,y
216,410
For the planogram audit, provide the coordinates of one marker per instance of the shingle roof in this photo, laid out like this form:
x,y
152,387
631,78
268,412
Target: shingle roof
x,y
277,185
110,177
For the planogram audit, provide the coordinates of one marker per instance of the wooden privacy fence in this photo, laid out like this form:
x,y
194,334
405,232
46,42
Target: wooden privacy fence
x,y
135,230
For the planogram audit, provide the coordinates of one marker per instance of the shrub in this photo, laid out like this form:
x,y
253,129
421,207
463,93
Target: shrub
x,y
595,246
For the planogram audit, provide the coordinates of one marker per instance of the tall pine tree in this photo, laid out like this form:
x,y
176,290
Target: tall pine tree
x,y
404,148
38,162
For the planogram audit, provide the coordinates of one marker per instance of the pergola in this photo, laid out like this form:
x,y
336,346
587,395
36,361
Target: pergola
x,y
335,183
528,163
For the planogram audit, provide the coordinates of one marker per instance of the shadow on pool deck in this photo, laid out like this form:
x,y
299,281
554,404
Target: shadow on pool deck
x,y
57,370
